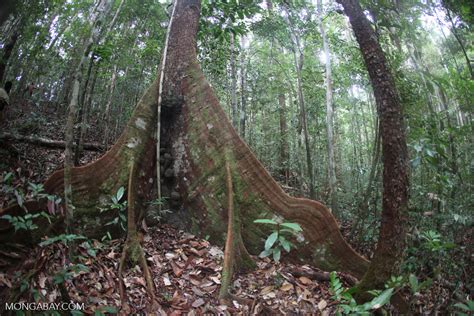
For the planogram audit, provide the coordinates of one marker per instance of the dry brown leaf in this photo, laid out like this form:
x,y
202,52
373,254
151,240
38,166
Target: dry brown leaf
x,y
197,291
198,303
266,290
176,270
215,279
286,287
305,280
322,305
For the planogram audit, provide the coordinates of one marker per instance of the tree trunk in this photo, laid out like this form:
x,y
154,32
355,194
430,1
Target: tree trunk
x,y
201,139
85,122
233,83
243,96
461,44
7,51
298,57
97,15
304,124
329,116
391,241
284,149
7,7
109,105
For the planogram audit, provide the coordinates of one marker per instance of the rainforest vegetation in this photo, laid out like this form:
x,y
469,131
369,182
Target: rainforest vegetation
x,y
245,157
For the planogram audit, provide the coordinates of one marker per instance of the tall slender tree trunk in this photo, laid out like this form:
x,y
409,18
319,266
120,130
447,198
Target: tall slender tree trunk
x,y
392,235
243,95
109,105
298,57
284,157
97,15
329,115
233,83
7,51
304,123
85,119
461,44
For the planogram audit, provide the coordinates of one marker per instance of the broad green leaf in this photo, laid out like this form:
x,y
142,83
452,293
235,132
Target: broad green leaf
x,y
265,253
294,226
380,300
265,221
120,193
413,282
285,243
276,254
463,307
271,240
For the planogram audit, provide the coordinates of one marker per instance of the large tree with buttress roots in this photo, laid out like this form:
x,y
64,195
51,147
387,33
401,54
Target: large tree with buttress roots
x,y
200,152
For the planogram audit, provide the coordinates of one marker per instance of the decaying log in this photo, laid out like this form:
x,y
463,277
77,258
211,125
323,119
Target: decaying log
x,y
45,142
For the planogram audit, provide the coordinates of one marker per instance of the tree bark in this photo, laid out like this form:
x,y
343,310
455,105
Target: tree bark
x,y
391,241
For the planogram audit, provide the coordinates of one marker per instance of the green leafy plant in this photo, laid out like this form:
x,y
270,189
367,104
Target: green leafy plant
x,y
434,243
416,286
63,238
466,308
25,222
115,203
68,273
104,310
158,214
276,241
12,189
347,304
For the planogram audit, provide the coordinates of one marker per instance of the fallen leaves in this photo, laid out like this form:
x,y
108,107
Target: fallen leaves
x,y
187,273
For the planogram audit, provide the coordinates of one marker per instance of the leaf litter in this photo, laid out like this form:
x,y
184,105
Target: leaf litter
x,y
187,274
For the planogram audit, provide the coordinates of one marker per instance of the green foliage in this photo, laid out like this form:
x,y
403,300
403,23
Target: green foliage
x,y
25,222
433,242
465,309
347,304
11,187
276,241
104,310
119,206
158,214
416,286
63,238
68,273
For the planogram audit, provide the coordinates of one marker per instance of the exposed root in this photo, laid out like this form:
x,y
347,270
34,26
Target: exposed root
x,y
132,248
233,245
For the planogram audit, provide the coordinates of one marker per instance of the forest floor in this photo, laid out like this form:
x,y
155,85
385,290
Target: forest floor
x,y
186,269
187,275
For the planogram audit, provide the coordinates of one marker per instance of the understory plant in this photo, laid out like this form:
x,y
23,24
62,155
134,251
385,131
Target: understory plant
x,y
115,203
277,240
347,305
